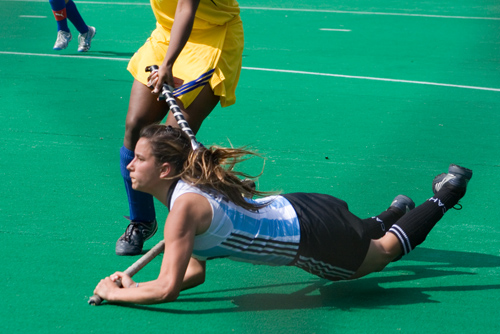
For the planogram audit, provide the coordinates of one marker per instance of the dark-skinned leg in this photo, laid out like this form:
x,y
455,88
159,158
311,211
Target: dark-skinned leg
x,y
144,109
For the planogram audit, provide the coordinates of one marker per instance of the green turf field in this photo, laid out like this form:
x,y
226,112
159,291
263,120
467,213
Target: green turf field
x,y
359,99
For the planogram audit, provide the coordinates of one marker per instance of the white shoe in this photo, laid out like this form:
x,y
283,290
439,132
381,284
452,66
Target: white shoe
x,y
63,38
85,39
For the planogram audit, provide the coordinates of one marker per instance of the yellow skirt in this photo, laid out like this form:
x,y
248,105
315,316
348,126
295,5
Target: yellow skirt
x,y
212,55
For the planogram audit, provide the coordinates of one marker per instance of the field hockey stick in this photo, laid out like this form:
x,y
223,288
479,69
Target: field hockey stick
x,y
168,95
134,268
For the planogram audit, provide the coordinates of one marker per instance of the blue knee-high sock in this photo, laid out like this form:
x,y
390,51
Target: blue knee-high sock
x,y
141,205
75,17
59,10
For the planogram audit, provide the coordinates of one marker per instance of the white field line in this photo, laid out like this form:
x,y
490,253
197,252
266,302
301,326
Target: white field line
x,y
33,16
329,29
374,79
275,70
372,13
304,10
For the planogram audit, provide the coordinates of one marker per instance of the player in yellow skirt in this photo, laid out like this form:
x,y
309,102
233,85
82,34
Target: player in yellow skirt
x,y
198,46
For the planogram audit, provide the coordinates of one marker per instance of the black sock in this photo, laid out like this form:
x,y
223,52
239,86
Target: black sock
x,y
413,228
377,226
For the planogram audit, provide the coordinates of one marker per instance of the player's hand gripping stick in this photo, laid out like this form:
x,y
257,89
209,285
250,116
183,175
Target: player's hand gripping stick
x,y
134,268
168,95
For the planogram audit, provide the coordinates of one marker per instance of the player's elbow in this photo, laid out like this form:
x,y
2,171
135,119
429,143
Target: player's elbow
x,y
196,280
168,295
167,298
165,291
195,274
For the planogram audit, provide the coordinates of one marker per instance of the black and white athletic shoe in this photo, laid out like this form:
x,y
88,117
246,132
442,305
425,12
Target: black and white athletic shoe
x,y
456,179
132,241
403,203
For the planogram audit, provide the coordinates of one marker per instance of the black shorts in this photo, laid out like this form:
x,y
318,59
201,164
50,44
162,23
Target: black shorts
x,y
332,242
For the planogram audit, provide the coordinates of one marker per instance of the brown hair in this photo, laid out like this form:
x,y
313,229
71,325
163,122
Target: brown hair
x,y
205,168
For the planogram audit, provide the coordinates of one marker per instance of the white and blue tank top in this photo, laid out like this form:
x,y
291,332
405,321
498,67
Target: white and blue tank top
x,y
269,236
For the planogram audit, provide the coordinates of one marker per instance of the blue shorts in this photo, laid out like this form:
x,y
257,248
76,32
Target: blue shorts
x,y
332,240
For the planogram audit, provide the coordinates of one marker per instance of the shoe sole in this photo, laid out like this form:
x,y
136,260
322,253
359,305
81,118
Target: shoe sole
x,y
59,49
127,253
458,170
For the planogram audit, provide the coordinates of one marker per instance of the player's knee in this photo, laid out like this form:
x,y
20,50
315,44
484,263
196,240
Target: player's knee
x,y
382,261
134,125
382,256
376,259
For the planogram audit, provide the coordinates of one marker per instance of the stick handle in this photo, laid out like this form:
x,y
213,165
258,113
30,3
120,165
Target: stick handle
x,y
168,95
134,268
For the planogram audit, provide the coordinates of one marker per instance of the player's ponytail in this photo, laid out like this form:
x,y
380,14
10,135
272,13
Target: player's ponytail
x,y
206,168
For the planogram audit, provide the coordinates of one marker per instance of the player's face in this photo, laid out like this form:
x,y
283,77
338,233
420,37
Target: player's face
x,y
144,171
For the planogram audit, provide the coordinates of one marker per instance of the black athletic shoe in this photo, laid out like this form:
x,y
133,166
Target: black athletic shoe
x,y
131,242
456,179
403,203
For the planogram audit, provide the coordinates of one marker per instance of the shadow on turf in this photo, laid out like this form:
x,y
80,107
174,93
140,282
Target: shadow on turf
x,y
114,53
126,55
356,294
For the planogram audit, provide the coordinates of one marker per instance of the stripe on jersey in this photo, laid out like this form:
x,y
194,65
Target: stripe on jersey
x,y
322,269
260,245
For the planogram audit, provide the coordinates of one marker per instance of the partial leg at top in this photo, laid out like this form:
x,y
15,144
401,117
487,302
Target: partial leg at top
x,y
143,110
